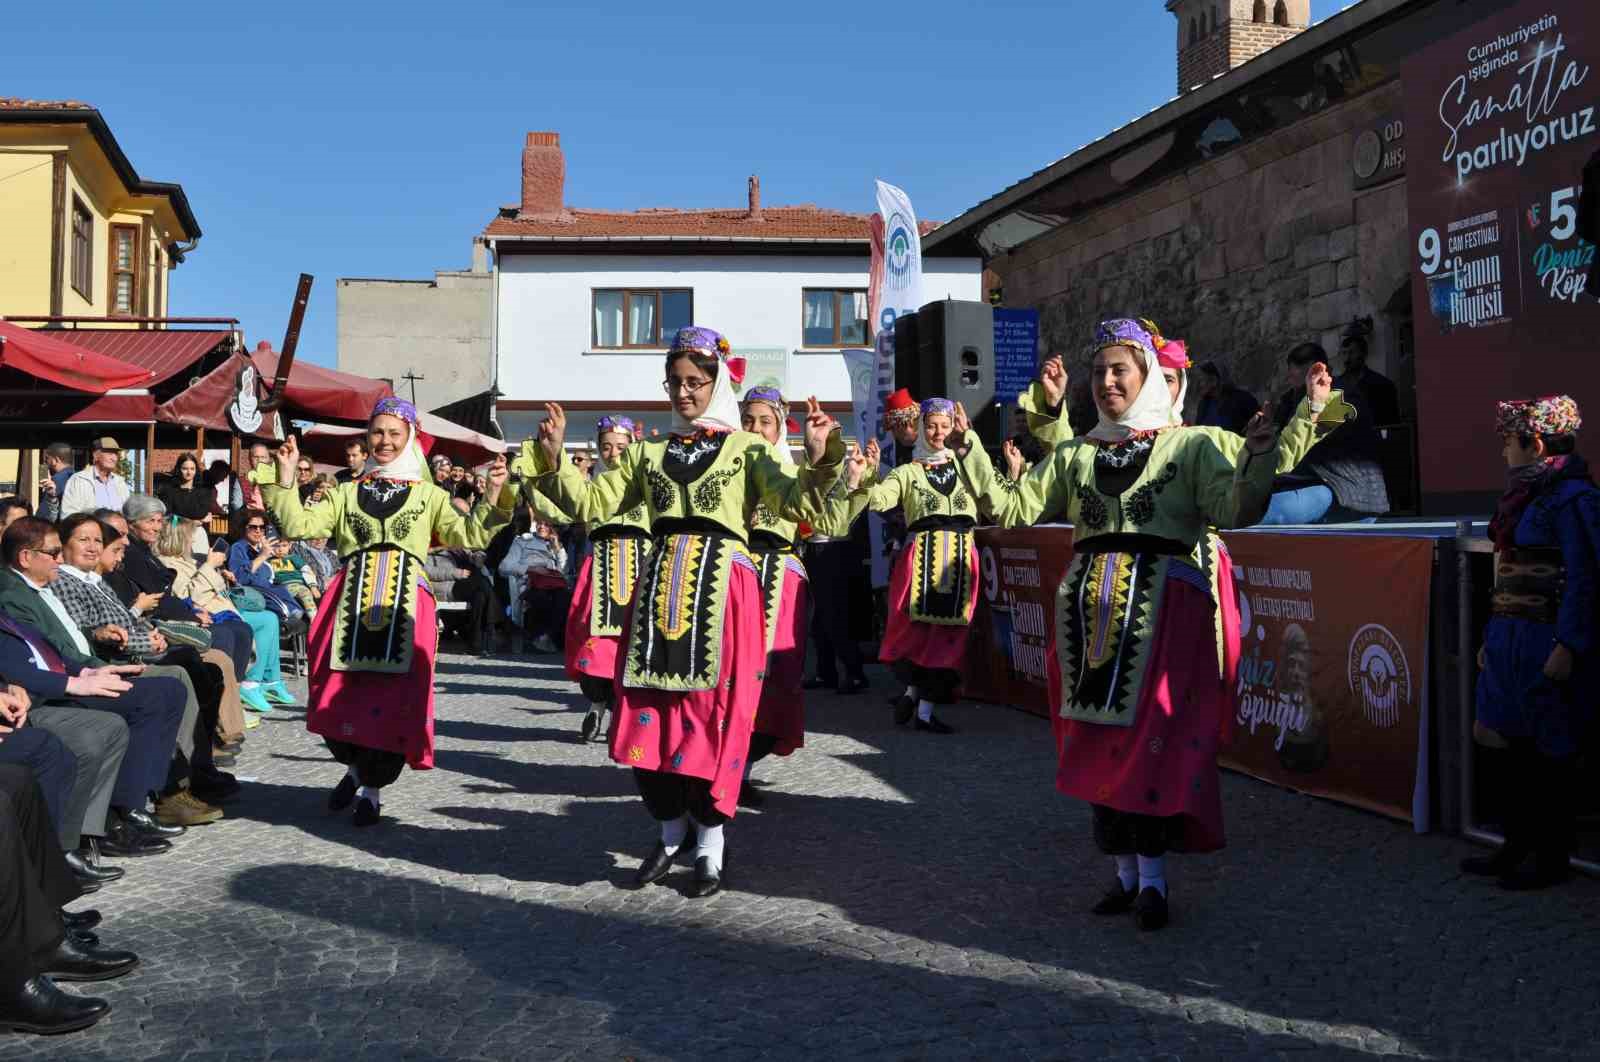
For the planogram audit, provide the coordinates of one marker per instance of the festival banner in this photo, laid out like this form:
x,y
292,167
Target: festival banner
x,y
895,286
866,422
1331,693
1500,120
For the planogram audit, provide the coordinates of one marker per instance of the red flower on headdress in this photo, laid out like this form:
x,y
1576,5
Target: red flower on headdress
x,y
735,365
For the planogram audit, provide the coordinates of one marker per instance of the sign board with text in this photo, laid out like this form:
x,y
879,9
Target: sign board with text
x,y
1016,352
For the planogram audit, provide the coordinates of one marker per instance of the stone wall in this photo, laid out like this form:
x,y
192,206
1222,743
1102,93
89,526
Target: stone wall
x,y
1244,256
438,329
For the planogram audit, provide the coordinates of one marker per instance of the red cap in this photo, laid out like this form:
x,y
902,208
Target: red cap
x,y
901,399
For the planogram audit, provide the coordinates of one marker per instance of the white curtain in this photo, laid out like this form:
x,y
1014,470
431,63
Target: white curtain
x,y
641,320
608,318
819,311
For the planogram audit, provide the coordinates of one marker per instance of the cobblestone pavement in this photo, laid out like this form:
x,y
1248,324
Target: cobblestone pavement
x,y
901,896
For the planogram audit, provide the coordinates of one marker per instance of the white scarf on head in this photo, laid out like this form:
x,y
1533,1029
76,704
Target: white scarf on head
x,y
600,464
780,449
410,464
927,455
1151,408
1183,395
721,413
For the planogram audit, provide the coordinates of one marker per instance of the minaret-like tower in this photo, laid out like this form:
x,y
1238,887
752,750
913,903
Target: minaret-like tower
x,y
1214,36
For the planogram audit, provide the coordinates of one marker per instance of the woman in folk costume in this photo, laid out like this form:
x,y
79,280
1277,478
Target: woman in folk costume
x,y
1537,681
372,653
605,584
780,725
933,587
690,668
1134,674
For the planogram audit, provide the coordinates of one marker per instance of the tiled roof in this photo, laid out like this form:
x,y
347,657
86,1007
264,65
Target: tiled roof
x,y
17,103
774,223
165,353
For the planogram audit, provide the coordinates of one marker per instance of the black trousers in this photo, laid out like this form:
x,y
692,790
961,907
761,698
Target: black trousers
x,y
374,767
761,746
1540,815
477,593
935,684
1129,833
208,686
602,690
831,566
35,882
667,796
544,611
54,767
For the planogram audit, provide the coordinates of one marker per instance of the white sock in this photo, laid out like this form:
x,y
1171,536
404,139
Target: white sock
x,y
709,846
368,792
925,710
1153,873
911,692
673,832
1127,871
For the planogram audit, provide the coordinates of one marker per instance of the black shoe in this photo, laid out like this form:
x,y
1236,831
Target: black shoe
x,y
591,723
751,797
1150,908
655,866
80,919
87,869
219,788
366,813
146,823
816,684
904,709
706,881
933,725
1117,900
84,938
72,961
853,686
1498,864
343,795
123,840
1542,875
38,1006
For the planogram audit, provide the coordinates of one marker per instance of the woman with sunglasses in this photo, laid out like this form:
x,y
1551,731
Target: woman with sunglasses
x,y
372,653
690,671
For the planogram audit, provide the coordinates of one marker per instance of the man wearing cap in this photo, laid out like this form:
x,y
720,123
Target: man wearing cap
x,y
98,486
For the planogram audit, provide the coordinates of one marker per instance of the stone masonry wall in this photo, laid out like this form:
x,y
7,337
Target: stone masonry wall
x,y
1245,256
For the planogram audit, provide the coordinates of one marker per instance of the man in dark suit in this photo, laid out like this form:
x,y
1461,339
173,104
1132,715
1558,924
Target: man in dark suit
x,y
54,766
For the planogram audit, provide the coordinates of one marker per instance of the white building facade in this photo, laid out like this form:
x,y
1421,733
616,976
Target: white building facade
x,y
586,302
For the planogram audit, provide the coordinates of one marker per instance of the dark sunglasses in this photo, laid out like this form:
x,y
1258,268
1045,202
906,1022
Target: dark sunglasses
x,y
56,553
255,527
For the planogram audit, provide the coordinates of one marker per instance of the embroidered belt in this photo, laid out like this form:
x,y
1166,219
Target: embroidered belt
x,y
1528,584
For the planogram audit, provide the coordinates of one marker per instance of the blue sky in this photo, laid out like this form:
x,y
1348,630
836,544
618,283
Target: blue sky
x,y
358,139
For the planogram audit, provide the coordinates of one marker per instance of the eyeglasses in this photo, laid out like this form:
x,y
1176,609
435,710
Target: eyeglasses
x,y
305,470
688,387
54,554
255,527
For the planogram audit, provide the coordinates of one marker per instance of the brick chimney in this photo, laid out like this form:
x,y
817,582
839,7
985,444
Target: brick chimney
x,y
1214,36
755,198
544,175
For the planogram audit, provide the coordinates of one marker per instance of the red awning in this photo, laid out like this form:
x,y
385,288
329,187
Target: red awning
x,y
205,404
165,352
66,363
117,409
315,393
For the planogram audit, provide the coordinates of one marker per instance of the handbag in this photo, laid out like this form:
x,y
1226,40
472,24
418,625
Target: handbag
x,y
182,632
247,599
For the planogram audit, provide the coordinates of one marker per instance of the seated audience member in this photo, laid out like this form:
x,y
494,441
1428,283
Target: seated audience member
x,y
455,576
53,764
250,563
546,594
40,941
33,624
187,489
99,484
441,470
321,559
205,583
10,509
355,460
1222,405
286,573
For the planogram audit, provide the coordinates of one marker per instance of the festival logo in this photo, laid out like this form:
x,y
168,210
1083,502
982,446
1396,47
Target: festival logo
x,y
245,411
1379,674
900,250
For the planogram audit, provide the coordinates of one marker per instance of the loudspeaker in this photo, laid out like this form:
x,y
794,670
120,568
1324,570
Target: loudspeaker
x,y
955,360
907,356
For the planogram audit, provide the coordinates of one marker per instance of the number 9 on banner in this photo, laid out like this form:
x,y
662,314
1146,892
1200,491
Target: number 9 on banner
x,y
1431,250
991,577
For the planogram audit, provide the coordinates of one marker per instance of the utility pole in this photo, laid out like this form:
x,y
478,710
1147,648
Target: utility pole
x,y
412,377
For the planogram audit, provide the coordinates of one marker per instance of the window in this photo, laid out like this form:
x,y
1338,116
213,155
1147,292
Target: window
x,y
1260,12
833,318
124,282
82,249
634,317
1280,14
1194,30
156,308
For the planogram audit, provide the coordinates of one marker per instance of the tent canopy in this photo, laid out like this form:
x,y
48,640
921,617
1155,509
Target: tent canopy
x,y
317,394
205,404
65,363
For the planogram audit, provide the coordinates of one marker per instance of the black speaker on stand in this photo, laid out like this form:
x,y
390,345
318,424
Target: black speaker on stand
x,y
955,358
908,371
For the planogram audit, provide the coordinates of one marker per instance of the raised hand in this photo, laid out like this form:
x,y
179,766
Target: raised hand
x,y
1053,378
499,475
553,434
874,453
961,422
288,459
855,468
1013,458
818,427
1319,384
1260,435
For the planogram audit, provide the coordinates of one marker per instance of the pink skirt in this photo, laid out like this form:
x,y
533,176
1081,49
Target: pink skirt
x,y
393,713
594,655
1165,764
929,645
782,712
701,733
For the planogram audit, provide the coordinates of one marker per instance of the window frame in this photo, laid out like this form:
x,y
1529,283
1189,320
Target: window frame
x,y
80,272
135,263
627,295
838,318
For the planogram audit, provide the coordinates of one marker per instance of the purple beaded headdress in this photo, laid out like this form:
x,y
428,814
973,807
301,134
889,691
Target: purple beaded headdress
x,y
770,395
627,425
938,405
395,406
1123,332
696,339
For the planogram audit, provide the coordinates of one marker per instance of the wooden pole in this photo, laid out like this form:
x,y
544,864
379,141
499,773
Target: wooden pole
x,y
150,458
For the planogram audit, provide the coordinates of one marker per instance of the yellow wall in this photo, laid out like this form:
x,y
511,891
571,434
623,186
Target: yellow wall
x,y
25,223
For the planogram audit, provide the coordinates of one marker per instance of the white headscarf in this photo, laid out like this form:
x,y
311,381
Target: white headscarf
x,y
1183,394
721,413
780,449
922,452
1151,408
411,463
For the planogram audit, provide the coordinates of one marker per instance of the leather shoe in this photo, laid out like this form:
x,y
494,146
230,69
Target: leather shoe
x,y
84,938
367,813
852,687
146,823
80,919
343,795
816,684
71,961
124,840
1117,900
88,873
38,1006
706,881
655,866
1150,908
218,788
934,725
904,709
